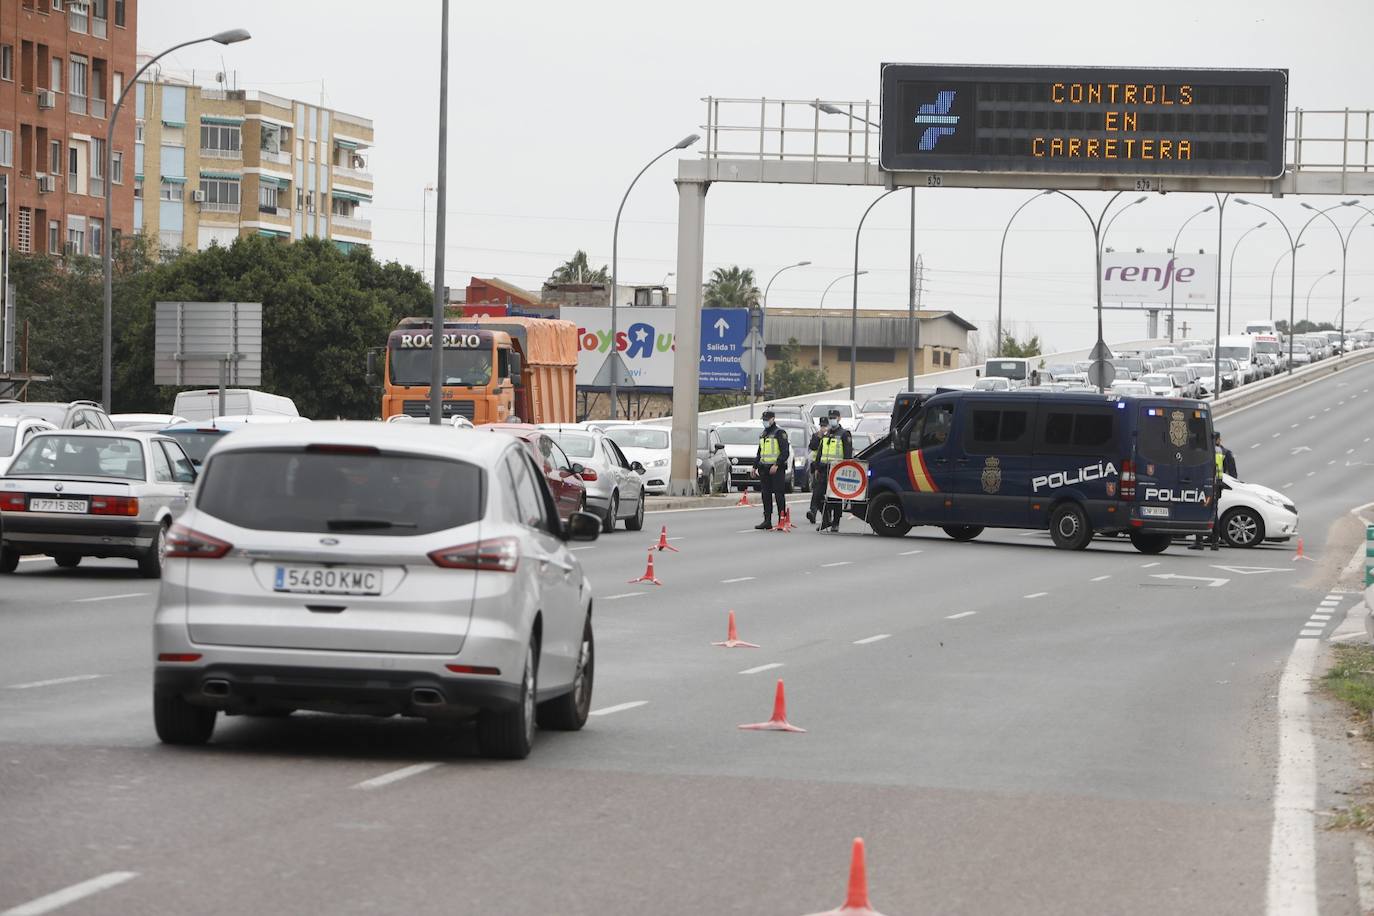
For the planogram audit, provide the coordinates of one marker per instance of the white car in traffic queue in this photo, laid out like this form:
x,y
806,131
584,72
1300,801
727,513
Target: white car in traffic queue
x,y
383,570
615,484
651,446
15,433
1250,514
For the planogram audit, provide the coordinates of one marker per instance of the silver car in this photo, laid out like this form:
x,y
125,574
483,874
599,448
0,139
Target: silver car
x,y
369,569
91,493
615,484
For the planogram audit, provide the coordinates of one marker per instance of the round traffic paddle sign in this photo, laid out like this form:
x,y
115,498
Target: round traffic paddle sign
x,y
848,480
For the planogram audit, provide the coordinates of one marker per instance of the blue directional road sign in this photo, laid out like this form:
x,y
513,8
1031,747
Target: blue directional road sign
x,y
724,339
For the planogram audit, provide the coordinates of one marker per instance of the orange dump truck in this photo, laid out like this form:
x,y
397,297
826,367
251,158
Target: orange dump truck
x,y
494,369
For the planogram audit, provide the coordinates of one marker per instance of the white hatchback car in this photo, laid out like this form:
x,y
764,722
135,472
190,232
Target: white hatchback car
x,y
1251,514
15,433
385,570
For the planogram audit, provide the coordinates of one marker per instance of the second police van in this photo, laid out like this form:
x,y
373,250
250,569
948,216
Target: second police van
x,y
1076,464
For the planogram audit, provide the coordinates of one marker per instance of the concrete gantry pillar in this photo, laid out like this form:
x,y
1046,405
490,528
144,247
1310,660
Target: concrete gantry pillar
x,y
691,241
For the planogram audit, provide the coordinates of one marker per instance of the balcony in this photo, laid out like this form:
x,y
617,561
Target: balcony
x,y
96,187
76,103
220,153
279,158
208,206
97,108
99,28
347,174
351,224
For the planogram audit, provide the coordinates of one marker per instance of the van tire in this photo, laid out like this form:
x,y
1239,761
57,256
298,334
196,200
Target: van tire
x,y
67,560
886,516
178,722
1150,543
963,532
1069,527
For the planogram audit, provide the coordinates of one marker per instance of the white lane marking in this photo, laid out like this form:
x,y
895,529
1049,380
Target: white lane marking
x,y
1035,595
881,636
110,597
1311,632
1350,451
58,899
575,549
1148,565
1287,485
1292,886
1312,417
619,707
1326,410
1311,473
740,579
1099,578
621,595
912,553
1332,461
1276,435
1294,426
961,614
838,563
757,668
1366,438
386,779
57,680
1256,445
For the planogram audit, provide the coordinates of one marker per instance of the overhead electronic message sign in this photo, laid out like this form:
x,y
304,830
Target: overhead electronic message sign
x,y
1083,120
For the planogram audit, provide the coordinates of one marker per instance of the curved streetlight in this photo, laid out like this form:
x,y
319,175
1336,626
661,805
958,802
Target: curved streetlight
x,y
228,37
614,356
1173,253
1273,272
854,308
753,337
1231,282
1307,309
1345,245
1001,259
820,334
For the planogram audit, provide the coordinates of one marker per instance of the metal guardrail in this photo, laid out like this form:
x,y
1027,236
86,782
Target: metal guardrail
x,y
798,130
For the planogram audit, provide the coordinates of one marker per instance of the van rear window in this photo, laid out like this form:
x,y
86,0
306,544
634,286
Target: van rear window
x,y
1079,430
1173,435
329,492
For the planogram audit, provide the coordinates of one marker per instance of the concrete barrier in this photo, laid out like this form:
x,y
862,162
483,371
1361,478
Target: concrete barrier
x,y
1258,391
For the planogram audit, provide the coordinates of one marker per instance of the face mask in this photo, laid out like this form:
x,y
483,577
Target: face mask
x,y
770,424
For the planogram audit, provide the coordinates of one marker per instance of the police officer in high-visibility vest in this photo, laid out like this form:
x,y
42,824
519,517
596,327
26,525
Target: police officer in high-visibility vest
x,y
826,448
839,446
1226,464
772,464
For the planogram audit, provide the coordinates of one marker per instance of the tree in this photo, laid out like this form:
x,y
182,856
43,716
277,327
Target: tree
x,y
1011,347
731,288
787,378
1305,327
577,270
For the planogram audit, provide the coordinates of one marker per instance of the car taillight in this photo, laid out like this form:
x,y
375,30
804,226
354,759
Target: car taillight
x,y
183,542
1128,480
14,502
114,505
178,656
587,474
493,555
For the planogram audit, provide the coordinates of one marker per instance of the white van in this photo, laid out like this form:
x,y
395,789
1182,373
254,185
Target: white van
x,y
1242,350
204,404
1261,326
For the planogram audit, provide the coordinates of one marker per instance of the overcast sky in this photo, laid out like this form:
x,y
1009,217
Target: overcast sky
x,y
554,107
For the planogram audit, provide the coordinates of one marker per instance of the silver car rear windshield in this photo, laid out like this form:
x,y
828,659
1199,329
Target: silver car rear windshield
x,y
321,490
638,437
80,456
575,445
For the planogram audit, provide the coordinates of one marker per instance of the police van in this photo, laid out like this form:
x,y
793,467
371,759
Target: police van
x,y
1076,464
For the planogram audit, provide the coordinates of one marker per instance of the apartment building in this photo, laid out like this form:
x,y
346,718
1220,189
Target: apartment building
x,y
214,164
62,66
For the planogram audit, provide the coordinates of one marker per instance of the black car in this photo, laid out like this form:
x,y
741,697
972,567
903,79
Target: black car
x,y
799,438
713,465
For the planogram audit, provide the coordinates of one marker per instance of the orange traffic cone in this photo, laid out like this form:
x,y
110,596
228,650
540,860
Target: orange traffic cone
x,y
779,721
648,572
732,640
1300,555
743,499
663,541
856,903
784,520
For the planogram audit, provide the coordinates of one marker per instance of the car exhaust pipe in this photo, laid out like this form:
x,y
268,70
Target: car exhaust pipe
x,y
426,696
215,688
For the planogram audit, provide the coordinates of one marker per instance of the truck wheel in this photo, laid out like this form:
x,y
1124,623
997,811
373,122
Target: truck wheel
x,y
1150,543
887,518
608,523
1069,527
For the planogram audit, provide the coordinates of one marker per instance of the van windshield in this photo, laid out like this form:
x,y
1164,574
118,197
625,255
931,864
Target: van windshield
x,y
1267,346
324,492
739,435
1175,435
1007,368
1235,353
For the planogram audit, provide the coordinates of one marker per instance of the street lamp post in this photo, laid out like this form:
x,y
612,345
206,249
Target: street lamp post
x,y
424,225
614,356
1345,247
1001,260
1307,309
754,349
1231,282
854,308
437,376
820,333
1173,253
227,37
1273,272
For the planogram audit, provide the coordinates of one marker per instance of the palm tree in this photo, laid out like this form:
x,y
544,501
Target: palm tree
x,y
732,288
577,270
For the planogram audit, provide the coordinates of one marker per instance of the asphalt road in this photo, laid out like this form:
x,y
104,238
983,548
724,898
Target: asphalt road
x,y
1011,728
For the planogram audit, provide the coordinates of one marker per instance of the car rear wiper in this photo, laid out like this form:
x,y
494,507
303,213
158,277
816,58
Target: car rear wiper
x,y
360,524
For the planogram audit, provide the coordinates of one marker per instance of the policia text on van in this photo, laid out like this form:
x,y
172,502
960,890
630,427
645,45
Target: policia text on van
x,y
1075,464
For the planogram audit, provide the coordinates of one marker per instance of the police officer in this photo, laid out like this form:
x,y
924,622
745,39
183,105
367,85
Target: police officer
x,y
841,446
1225,464
818,475
772,464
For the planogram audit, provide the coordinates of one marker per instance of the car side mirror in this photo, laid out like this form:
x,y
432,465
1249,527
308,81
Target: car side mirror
x,y
719,447
978,373
637,467
581,526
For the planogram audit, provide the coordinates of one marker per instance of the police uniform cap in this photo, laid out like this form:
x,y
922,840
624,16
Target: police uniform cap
x,y
768,415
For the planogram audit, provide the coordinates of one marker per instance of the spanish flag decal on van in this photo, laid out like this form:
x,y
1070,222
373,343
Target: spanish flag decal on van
x,y
919,474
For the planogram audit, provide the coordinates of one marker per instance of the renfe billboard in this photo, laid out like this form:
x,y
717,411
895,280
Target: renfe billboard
x,y
1162,278
646,340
